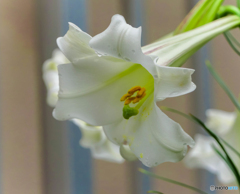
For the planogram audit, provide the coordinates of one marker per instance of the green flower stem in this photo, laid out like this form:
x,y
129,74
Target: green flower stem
x,y
223,85
172,181
228,9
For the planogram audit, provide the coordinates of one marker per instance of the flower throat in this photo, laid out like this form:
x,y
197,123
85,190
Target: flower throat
x,y
130,98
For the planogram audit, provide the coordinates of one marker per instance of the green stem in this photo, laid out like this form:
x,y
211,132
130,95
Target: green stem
x,y
238,3
232,148
223,85
171,181
229,40
228,9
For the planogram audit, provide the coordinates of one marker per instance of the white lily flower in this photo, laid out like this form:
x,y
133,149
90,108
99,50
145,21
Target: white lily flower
x,y
219,121
226,125
118,88
93,137
111,67
203,156
50,76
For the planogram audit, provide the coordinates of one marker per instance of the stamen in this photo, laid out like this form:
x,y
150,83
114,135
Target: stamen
x,y
143,96
141,92
137,99
125,96
134,89
129,100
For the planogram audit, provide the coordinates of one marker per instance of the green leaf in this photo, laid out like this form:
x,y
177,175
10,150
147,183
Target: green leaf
x,y
230,42
176,111
238,3
223,85
190,118
155,192
232,165
218,152
198,121
171,181
232,148
234,40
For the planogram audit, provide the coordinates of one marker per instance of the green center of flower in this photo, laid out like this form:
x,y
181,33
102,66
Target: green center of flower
x,y
130,97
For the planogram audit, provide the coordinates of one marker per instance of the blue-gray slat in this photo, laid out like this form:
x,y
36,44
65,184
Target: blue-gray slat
x,y
80,158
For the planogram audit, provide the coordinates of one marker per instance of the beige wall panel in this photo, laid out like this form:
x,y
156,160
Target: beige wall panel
x,y
100,13
21,151
162,18
108,177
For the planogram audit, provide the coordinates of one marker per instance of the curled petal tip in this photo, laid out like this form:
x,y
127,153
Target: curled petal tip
x,y
118,18
73,26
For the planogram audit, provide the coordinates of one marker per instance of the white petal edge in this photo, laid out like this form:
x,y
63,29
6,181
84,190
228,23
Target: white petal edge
x,y
94,138
121,40
152,136
173,81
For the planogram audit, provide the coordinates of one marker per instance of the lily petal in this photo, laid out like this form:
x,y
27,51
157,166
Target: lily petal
x,y
126,153
99,83
91,135
94,138
74,44
125,43
152,136
95,78
220,122
173,82
108,152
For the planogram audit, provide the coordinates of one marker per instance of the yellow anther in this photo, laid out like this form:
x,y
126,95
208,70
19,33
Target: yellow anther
x,y
137,99
144,94
125,96
129,100
141,92
134,89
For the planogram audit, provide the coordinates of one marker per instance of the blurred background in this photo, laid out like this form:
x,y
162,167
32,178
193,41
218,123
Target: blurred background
x,y
39,155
